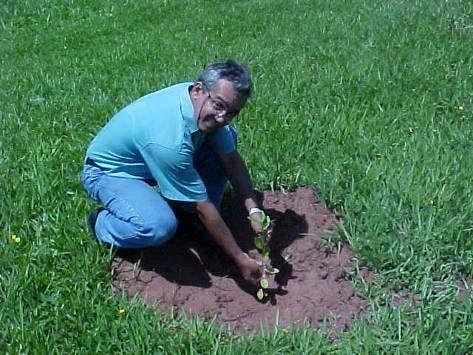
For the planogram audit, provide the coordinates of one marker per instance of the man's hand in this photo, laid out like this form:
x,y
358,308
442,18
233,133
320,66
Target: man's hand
x,y
249,268
255,220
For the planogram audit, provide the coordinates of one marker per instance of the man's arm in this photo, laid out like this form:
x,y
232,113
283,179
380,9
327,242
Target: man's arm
x,y
214,223
237,173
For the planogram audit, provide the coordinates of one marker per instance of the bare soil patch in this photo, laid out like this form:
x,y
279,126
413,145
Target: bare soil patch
x,y
199,279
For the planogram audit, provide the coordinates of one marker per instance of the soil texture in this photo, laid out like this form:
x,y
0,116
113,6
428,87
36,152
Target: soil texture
x,y
197,278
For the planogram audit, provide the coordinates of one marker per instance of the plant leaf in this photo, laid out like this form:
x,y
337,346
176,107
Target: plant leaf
x,y
263,283
260,294
266,222
272,270
259,244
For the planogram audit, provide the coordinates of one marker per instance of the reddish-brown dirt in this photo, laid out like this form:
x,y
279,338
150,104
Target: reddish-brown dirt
x,y
199,279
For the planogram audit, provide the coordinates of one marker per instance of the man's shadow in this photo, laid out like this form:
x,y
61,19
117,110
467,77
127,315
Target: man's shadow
x,y
189,257
177,261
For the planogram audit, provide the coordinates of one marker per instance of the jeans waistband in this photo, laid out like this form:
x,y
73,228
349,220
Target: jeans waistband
x,y
88,161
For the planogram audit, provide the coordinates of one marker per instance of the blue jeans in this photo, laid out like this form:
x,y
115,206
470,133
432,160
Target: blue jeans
x,y
135,215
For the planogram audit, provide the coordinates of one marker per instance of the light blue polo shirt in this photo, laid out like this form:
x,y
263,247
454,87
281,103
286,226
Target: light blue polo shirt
x,y
156,137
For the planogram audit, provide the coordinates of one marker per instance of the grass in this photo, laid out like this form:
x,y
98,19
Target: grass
x,y
369,102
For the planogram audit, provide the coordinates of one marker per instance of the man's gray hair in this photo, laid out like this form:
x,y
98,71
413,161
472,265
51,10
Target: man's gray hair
x,y
231,71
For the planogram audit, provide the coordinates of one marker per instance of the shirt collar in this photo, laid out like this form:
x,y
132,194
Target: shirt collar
x,y
187,109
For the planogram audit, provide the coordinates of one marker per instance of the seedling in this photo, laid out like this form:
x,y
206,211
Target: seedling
x,y
262,240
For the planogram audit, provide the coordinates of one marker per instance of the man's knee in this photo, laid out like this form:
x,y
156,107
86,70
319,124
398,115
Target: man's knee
x,y
158,231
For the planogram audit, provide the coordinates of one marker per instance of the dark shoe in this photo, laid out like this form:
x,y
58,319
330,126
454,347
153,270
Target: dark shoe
x,y
92,219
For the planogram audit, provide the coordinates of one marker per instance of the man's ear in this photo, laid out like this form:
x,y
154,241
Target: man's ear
x,y
197,88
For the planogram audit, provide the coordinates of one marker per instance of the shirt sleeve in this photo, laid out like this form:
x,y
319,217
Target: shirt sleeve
x,y
175,173
223,140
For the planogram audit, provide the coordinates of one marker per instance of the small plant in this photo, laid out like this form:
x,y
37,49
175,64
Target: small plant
x,y
262,245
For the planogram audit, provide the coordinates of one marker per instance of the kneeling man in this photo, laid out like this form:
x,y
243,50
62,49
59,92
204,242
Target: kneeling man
x,y
180,139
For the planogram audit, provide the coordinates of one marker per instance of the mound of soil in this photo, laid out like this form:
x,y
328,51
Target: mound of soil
x,y
197,278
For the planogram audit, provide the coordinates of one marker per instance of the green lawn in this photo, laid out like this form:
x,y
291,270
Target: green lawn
x,y
369,102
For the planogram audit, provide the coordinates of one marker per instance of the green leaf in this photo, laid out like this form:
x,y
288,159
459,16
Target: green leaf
x,y
266,221
260,294
264,283
272,270
259,244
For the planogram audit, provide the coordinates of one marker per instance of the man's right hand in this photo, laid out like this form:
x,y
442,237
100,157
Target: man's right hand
x,y
210,217
250,269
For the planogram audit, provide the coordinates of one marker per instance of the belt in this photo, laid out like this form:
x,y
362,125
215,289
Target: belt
x,y
89,161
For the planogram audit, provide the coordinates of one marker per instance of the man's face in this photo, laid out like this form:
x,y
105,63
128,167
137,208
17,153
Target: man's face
x,y
218,106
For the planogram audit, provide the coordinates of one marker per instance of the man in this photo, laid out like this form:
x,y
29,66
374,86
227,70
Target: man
x,y
180,138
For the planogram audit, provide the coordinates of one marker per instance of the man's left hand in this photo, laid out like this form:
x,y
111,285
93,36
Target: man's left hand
x,y
255,220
